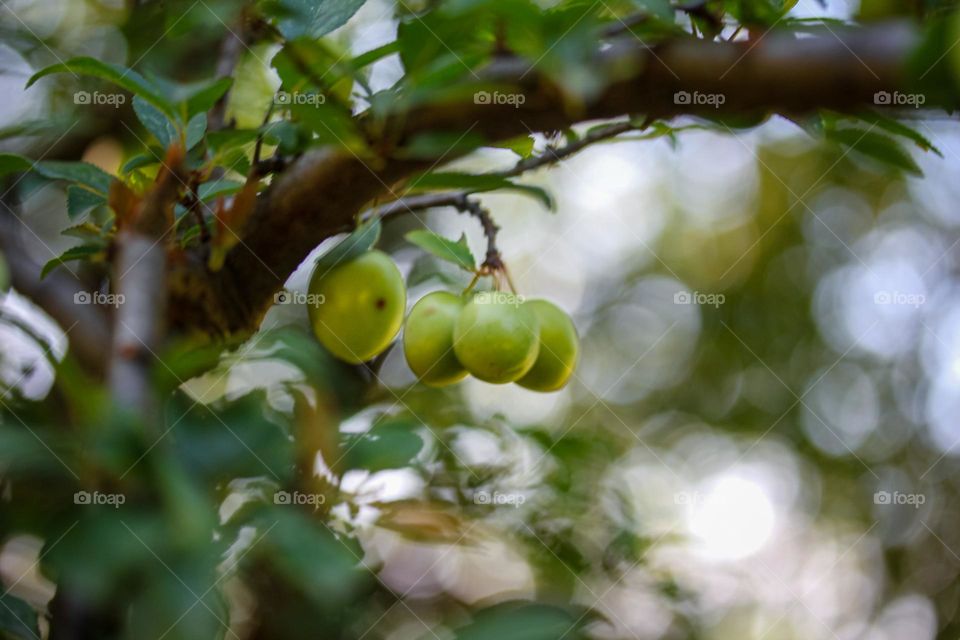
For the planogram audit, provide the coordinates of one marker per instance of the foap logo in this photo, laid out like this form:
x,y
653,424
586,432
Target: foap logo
x,y
499,499
695,297
687,497
286,99
897,99
297,498
498,98
96,297
499,297
914,300
897,498
96,498
699,99
97,98
299,297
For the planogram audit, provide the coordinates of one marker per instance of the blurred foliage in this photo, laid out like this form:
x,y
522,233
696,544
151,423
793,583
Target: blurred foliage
x,y
279,493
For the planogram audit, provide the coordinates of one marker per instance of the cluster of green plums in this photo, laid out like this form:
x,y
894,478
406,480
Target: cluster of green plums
x,y
496,337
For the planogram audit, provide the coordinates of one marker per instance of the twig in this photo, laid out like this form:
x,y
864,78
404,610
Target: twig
x,y
552,155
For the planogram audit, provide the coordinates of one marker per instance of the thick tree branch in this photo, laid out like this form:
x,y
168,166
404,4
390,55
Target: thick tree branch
x,y
322,192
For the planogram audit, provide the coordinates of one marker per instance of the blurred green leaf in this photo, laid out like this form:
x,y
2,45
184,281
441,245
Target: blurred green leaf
x,y
82,252
82,173
362,239
521,621
456,252
474,183
121,76
391,444
156,122
313,18
80,200
18,620
13,163
876,146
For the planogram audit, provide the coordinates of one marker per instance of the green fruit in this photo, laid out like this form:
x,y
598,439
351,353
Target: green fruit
x,y
496,337
356,308
559,348
428,339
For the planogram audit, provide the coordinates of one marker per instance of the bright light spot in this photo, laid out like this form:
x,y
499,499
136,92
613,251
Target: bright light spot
x,y
732,520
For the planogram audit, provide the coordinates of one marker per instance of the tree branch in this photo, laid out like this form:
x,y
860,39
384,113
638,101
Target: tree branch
x,y
322,193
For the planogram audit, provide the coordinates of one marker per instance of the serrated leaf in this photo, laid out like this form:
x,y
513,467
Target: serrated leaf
x,y
85,231
456,252
312,18
80,172
119,75
82,252
18,620
196,129
362,239
476,183
876,146
81,200
155,121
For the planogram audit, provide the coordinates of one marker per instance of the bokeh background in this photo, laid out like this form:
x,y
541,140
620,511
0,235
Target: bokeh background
x,y
760,441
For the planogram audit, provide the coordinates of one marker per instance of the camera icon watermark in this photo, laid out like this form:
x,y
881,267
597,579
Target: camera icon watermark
x,y
898,99
915,300
287,98
96,498
499,297
499,499
298,498
96,297
497,98
299,297
686,98
897,498
86,98
695,297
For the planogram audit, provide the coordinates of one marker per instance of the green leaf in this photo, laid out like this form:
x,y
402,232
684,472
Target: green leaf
x,y
80,200
141,160
312,18
121,76
522,621
82,252
390,445
361,240
13,163
373,55
202,97
223,187
876,146
900,129
521,145
474,183
155,122
456,252
17,619
196,129
81,172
